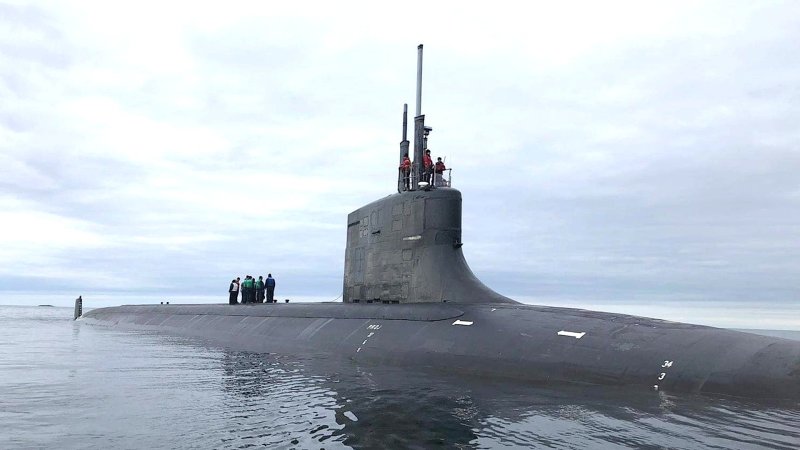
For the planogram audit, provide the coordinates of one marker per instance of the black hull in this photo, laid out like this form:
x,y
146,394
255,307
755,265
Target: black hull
x,y
530,343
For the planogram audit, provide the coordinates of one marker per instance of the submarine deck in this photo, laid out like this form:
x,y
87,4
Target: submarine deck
x,y
525,342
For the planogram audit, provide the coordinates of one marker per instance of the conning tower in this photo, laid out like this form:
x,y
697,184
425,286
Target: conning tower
x,y
406,248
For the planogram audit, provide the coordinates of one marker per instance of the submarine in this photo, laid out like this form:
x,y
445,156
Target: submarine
x,y
409,299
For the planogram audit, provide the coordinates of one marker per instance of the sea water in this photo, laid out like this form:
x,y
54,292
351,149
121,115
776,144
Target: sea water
x,y
70,385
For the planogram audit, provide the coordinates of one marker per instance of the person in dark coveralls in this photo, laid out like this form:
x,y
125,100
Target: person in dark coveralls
x,y
233,292
270,288
260,290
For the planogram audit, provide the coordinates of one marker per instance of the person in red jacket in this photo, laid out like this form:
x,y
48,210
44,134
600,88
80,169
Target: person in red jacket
x,y
428,166
440,168
405,172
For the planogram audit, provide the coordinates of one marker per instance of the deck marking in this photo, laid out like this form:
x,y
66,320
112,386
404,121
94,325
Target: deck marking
x,y
412,238
365,341
572,334
370,335
494,309
359,349
462,322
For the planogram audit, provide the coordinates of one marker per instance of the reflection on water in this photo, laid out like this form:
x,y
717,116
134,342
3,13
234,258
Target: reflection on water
x,y
409,411
68,385
280,405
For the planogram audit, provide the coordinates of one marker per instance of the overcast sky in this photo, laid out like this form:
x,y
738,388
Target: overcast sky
x,y
607,151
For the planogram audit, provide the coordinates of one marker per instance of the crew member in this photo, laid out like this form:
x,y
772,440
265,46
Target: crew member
x,y
260,290
428,166
233,292
405,172
439,169
247,289
270,283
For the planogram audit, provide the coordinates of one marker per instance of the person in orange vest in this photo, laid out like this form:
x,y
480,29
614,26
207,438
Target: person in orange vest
x,y
405,172
428,166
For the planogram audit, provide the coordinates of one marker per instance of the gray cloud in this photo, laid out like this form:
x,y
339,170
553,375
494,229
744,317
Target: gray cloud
x,y
654,163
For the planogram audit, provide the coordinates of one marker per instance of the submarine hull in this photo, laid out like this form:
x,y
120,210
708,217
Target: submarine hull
x,y
410,300
530,343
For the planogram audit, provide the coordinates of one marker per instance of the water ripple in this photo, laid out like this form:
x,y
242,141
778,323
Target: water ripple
x,y
67,385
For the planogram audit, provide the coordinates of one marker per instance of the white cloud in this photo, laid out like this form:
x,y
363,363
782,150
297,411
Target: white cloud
x,y
603,150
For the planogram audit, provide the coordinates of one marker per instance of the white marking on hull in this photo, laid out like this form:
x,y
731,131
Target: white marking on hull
x,y
574,334
462,322
359,349
370,335
412,238
365,341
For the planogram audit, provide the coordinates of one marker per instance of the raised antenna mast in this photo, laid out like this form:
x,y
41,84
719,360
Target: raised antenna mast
x,y
419,126
405,122
419,79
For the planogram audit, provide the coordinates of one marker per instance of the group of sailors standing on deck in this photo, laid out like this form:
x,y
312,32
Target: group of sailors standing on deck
x,y
253,291
429,169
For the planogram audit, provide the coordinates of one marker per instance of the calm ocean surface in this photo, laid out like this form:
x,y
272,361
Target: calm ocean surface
x,y
69,385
